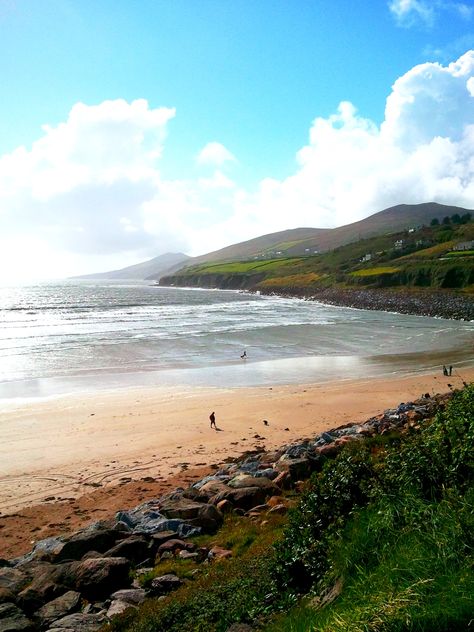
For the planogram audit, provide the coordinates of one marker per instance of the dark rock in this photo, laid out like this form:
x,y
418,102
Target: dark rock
x,y
244,498
12,619
134,596
92,539
12,579
49,582
6,595
165,584
134,548
297,468
98,578
197,514
59,607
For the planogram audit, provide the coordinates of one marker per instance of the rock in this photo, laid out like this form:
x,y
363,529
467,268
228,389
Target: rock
x,y
188,555
12,619
135,548
49,582
217,552
197,514
224,506
297,468
118,607
79,622
59,607
172,546
244,498
134,596
275,500
244,480
12,579
283,480
258,510
212,488
159,538
94,538
281,510
98,578
165,584
6,595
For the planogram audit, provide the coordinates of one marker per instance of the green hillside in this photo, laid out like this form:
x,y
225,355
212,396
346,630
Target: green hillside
x,y
421,257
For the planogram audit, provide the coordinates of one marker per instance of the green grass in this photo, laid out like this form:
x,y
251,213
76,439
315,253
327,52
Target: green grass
x,y
398,535
374,271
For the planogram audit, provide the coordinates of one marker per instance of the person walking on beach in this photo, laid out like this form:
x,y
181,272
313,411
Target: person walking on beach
x,y
445,370
450,370
244,355
212,417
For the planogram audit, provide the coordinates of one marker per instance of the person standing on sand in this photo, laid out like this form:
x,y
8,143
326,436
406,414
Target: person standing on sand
x,y
212,417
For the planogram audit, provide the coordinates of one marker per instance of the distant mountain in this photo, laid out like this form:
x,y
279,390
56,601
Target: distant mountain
x,y
292,242
151,269
300,241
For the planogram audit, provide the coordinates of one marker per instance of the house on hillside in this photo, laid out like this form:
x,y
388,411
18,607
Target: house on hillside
x,y
464,245
398,245
366,257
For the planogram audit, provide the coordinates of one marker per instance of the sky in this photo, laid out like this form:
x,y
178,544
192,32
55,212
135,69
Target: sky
x,y
131,129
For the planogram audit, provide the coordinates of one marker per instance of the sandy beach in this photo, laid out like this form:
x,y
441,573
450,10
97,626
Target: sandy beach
x,y
71,460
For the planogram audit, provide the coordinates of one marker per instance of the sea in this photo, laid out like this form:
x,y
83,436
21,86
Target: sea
x,y
81,336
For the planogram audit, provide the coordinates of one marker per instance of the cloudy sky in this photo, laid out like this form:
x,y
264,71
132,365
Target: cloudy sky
x,y
130,129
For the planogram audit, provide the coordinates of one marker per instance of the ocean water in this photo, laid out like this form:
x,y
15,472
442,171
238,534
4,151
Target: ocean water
x,y
64,337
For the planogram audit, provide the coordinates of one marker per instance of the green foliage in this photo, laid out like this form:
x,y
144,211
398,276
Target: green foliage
x,y
403,549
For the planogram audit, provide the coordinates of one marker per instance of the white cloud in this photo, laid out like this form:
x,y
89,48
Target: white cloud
x,y
214,154
409,12
406,12
89,194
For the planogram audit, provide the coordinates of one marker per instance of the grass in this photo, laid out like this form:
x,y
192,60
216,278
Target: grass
x,y
404,555
218,594
374,271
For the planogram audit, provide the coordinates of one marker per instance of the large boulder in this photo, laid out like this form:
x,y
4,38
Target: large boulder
x,y
246,480
135,548
49,582
243,498
99,577
12,579
197,514
59,607
297,468
12,619
96,538
79,622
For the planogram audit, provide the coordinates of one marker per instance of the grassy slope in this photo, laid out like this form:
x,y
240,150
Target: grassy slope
x,y
389,523
425,260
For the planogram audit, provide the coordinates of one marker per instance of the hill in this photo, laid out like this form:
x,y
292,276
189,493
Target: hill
x,y
438,257
153,268
305,241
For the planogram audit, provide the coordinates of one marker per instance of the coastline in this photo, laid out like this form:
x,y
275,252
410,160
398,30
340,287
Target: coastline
x,y
442,304
68,462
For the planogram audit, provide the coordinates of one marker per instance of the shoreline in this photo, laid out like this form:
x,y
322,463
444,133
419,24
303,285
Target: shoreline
x,y
444,304
68,463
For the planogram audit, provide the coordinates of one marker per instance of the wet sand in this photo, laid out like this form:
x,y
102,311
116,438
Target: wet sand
x,y
68,461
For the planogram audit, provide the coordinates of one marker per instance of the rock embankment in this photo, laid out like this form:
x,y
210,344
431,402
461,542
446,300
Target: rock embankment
x,y
440,304
76,584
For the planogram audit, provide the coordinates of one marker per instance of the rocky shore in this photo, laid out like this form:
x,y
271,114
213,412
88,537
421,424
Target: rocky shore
x,y
438,304
77,583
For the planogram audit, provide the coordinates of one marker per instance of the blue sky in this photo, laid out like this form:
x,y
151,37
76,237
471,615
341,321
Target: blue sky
x,y
237,105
